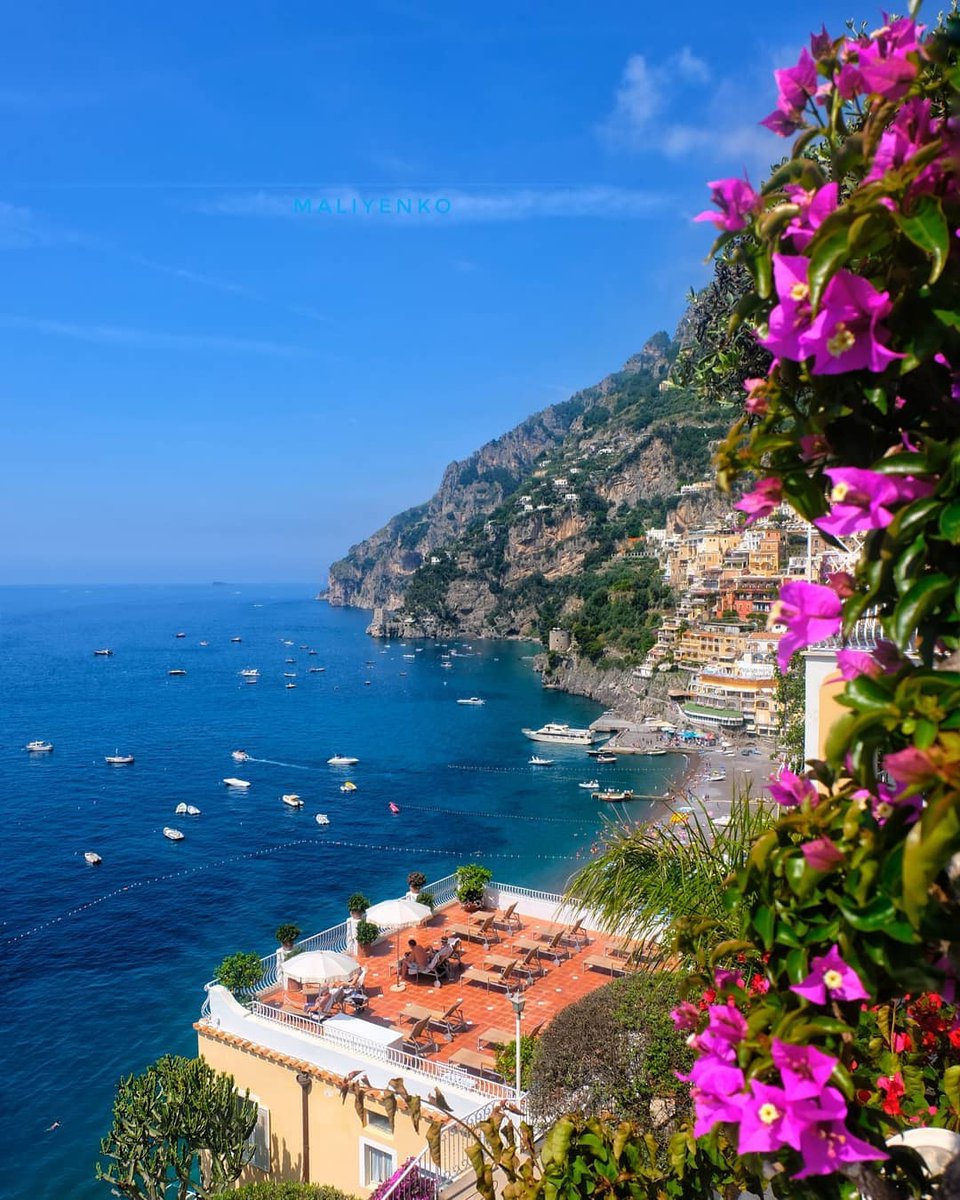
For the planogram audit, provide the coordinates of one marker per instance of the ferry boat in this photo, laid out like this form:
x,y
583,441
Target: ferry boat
x,y
562,735
536,761
173,834
92,857
472,700
292,799
342,760
118,760
614,797
39,747
232,782
104,653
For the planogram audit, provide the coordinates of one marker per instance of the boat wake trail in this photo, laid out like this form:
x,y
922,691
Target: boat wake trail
x,y
276,763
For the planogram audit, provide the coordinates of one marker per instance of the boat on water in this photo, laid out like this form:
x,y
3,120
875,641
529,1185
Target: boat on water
x,y
249,673
104,653
92,857
239,755
656,753
717,777
614,797
314,670
472,700
236,639
38,746
536,761
289,674
446,665
322,819
292,799
313,652
118,760
180,635
233,782
394,808
204,643
590,785
604,759
562,735
289,660
173,834
348,787
342,760
187,810
291,685
177,671
410,657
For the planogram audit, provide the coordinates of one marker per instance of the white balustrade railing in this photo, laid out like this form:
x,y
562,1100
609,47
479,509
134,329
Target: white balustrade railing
x,y
359,1047
532,893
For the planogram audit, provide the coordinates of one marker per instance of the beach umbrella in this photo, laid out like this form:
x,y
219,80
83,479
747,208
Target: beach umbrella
x,y
398,913
320,966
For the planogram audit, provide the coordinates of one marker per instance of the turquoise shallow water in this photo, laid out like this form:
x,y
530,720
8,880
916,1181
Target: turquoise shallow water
x,y
105,965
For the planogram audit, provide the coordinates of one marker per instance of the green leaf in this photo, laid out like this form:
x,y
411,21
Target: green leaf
x,y
868,694
917,604
828,254
764,922
927,228
871,917
950,522
927,851
950,1084
948,316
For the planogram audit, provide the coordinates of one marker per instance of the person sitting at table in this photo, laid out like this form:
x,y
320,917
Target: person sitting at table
x,y
416,956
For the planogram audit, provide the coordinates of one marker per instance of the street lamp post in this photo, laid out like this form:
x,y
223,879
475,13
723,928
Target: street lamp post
x,y
518,1002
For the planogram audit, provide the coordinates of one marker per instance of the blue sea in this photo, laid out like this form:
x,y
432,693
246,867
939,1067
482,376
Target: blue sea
x,y
105,965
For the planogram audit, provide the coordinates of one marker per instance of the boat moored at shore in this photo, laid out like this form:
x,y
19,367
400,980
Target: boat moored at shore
x,y
562,735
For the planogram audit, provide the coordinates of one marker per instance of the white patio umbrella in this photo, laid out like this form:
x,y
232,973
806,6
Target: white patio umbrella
x,y
398,913
320,966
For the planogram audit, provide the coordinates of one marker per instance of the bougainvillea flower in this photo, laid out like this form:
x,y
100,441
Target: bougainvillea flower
x,y
716,1089
821,854
911,129
724,978
795,86
758,396
846,334
767,1121
863,500
820,43
842,582
830,977
889,800
810,611
790,789
911,768
814,447
825,1147
815,207
942,361
857,662
805,1070
726,1029
883,61
685,1015
736,201
765,498
790,320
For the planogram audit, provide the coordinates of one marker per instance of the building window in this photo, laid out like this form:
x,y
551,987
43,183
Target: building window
x,y
377,1163
259,1139
379,1120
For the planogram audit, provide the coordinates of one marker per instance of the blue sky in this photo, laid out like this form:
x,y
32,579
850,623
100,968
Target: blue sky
x,y
200,380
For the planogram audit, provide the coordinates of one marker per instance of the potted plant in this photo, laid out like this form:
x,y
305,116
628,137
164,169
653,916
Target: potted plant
x,y
415,881
426,898
239,972
366,934
357,905
472,879
287,934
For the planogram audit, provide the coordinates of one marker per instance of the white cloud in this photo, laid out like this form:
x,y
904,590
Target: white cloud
x,y
17,228
147,339
335,206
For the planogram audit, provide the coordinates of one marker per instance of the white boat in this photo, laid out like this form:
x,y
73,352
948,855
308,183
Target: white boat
x,y
204,643
173,834
239,755
104,653
181,810
591,785
233,782
614,797
177,671
249,673
292,799
322,819
717,777
342,760
605,759
39,747
411,657
289,660
314,670
313,652
118,760
187,810
180,635
446,665
289,674
291,685
286,642
236,639
192,810
92,857
536,761
472,700
562,735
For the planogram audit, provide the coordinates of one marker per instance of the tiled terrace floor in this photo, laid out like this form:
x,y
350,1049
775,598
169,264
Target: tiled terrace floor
x,y
562,984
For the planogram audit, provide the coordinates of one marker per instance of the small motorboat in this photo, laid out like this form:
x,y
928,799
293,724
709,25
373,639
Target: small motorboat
x,y
177,671
304,646
366,683
286,642
605,759
614,797
342,760
232,782
717,777
289,660
249,673
173,834
475,700
104,653
289,674
291,685
348,787
322,819
118,760
204,643
236,639
187,810
394,808
180,635
39,747
446,665
536,761
239,755
92,857
410,657
314,670
292,799
181,810
591,785
313,652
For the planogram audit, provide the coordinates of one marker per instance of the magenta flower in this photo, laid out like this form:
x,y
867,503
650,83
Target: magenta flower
x,y
830,977
736,200
758,398
825,1147
763,500
884,66
685,1016
726,1029
811,613
815,207
767,1121
843,583
820,43
724,978
821,854
790,320
790,790
911,130
911,768
805,1070
846,334
795,86
814,447
864,500
716,1089
857,662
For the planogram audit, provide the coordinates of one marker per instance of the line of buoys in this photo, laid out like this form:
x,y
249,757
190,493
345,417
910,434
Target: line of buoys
x,y
497,816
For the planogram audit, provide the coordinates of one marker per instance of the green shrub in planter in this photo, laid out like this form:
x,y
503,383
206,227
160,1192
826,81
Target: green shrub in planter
x,y
472,878
239,972
426,898
367,933
357,903
288,934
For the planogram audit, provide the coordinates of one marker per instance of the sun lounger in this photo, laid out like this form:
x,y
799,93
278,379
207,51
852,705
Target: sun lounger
x,y
420,1040
530,965
505,978
482,931
451,1020
616,966
508,918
